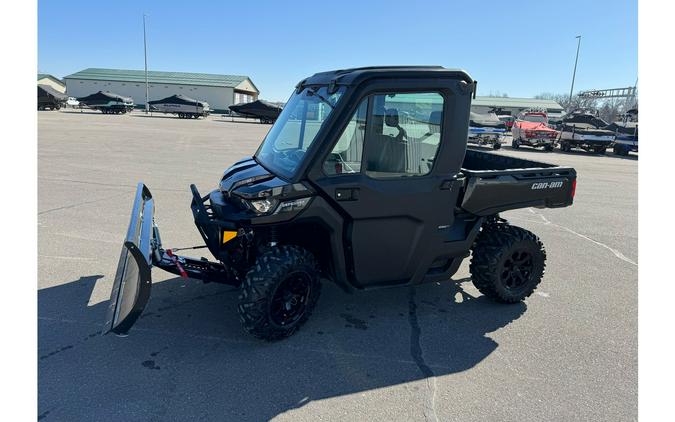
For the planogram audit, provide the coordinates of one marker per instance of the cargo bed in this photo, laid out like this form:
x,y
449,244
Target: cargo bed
x,y
496,183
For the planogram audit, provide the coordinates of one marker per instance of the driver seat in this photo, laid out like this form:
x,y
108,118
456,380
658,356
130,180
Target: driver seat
x,y
387,154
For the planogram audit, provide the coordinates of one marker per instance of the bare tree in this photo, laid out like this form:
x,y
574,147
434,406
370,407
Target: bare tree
x,y
564,100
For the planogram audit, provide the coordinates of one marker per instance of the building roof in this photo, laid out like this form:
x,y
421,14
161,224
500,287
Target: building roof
x,y
157,77
515,102
47,75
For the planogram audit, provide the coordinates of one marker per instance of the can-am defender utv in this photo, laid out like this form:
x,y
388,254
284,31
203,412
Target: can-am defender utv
x,y
364,180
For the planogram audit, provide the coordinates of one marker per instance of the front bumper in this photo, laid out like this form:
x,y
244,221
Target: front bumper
x,y
208,224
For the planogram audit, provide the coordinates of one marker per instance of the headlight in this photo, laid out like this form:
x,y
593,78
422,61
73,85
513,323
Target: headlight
x,y
264,206
294,205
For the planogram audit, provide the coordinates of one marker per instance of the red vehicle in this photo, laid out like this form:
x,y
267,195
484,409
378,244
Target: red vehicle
x,y
508,121
531,129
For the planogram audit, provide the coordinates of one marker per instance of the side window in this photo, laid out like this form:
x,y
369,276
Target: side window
x,y
403,134
348,150
396,134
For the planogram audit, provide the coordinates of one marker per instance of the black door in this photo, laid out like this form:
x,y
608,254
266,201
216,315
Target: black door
x,y
381,175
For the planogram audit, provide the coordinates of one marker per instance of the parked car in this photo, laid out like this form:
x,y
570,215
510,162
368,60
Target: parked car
x,y
584,129
343,190
531,128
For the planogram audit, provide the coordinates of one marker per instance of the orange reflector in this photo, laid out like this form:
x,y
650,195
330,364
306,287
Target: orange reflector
x,y
227,236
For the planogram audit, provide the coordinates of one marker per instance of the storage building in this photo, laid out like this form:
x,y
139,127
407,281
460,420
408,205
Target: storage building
x,y
52,81
513,106
220,91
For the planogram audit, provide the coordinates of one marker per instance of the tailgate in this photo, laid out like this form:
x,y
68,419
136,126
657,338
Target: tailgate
x,y
131,288
488,192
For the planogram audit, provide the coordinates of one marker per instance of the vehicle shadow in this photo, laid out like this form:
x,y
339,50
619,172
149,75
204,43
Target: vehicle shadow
x,y
574,152
84,111
157,115
239,120
187,357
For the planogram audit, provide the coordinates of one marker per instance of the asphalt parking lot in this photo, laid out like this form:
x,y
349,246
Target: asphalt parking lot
x,y
439,352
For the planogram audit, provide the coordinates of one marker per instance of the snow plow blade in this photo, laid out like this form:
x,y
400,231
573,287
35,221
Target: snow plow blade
x,y
131,288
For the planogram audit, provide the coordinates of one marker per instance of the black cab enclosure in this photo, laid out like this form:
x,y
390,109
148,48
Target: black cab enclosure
x,y
364,180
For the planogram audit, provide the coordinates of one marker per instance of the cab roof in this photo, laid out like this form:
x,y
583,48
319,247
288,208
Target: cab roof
x,y
357,75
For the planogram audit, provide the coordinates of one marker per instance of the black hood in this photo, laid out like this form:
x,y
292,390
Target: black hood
x,y
247,178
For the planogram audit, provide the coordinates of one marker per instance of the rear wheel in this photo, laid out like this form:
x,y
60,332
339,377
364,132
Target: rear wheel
x,y
497,145
279,292
515,143
507,262
619,150
548,148
599,150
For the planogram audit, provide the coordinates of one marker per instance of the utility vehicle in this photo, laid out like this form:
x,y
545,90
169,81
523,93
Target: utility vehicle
x,y
365,181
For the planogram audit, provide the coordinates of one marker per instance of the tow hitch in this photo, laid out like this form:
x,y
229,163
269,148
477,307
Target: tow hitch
x,y
141,250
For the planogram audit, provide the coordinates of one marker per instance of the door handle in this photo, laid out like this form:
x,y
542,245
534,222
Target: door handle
x,y
347,194
447,184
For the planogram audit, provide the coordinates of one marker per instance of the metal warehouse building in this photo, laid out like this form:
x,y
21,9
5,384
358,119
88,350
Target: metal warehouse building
x,y
513,106
220,91
51,80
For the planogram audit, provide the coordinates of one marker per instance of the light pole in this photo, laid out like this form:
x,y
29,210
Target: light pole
x,y
145,54
575,68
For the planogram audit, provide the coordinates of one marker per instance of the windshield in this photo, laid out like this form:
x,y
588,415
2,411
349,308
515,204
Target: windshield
x,y
295,129
537,118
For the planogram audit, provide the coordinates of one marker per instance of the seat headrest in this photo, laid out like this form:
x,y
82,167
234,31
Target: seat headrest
x,y
435,122
391,117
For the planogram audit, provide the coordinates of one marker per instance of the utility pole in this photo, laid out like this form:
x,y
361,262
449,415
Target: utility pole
x,y
145,53
575,68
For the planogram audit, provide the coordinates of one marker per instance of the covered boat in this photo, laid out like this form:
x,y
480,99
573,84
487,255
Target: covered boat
x,y
486,129
259,109
108,102
184,107
49,98
585,130
625,137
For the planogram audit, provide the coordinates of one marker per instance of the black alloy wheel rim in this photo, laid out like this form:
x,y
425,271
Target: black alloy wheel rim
x,y
517,270
290,299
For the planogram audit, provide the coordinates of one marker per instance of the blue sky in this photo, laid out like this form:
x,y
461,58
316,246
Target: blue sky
x,y
520,48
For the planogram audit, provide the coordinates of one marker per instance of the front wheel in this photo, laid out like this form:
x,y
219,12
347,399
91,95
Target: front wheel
x,y
496,145
507,262
279,292
515,143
